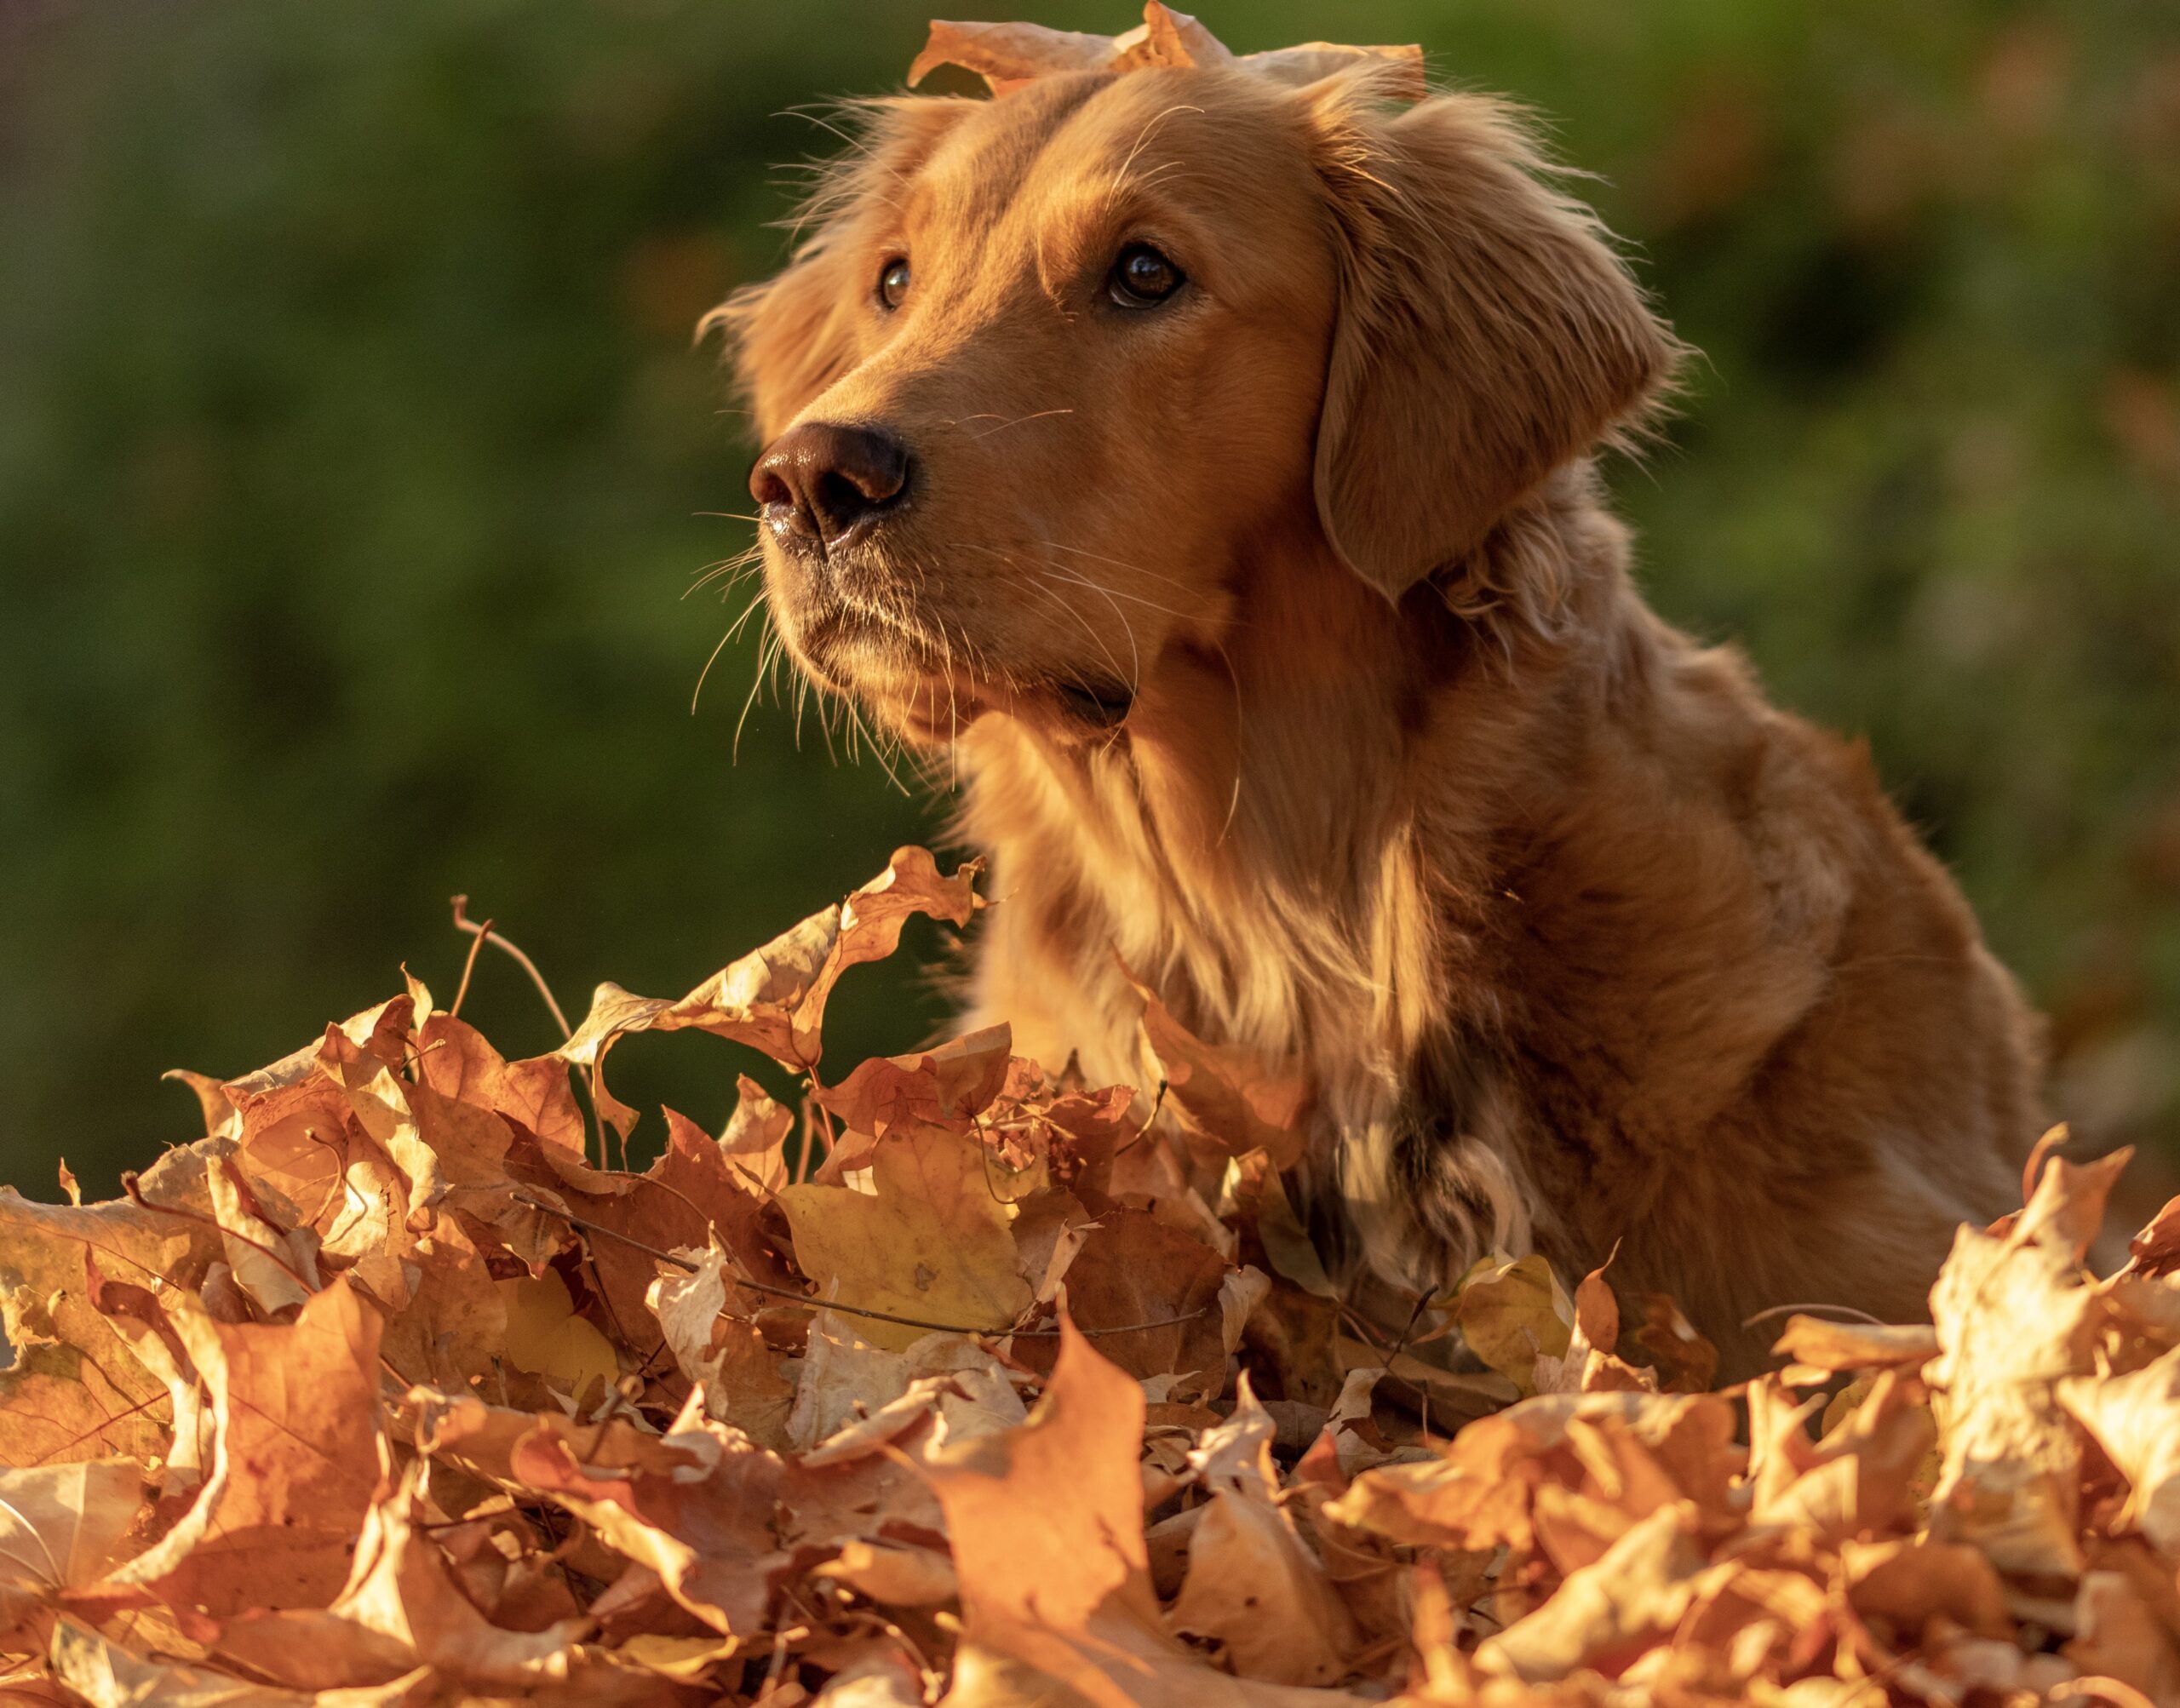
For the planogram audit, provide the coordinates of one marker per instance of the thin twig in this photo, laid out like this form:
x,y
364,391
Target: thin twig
x,y
804,1298
134,1193
1422,1304
1158,1108
462,922
468,967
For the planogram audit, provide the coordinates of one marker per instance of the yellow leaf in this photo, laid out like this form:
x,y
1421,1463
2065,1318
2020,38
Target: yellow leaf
x,y
1510,1312
684,1659
546,1338
931,1242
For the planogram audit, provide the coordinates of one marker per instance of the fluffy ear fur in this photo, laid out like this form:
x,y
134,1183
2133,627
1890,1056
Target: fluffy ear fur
x,y
1487,331
794,334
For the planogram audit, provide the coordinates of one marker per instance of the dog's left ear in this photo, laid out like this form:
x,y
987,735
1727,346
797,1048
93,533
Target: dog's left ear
x,y
1487,333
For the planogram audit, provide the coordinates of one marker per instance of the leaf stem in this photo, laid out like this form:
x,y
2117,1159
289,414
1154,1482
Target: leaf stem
x,y
469,966
462,922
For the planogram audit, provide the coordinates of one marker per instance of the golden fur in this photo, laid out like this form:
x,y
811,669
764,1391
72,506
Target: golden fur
x,y
1582,941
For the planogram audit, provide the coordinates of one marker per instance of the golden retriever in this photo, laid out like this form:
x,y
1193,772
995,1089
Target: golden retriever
x,y
1201,450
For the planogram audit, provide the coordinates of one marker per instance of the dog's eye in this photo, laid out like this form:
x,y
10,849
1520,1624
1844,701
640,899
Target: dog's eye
x,y
1143,278
893,281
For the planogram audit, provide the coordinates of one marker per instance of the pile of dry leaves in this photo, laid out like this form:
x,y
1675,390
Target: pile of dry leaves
x,y
382,1392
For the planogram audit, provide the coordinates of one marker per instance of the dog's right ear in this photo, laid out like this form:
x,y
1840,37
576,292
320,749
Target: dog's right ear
x,y
792,335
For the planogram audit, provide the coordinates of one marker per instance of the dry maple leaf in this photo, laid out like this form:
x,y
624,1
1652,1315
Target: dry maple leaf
x,y
853,1398
106,1675
62,1525
2013,1320
1008,55
2136,1419
1133,1268
699,1514
1255,1589
1479,1493
955,1082
1634,1597
929,1241
1253,1584
73,1389
402,1608
1905,1584
728,1359
2121,1634
1670,1343
1820,1348
698,1193
295,1463
2155,1251
1592,1364
1858,1481
773,998
1512,1312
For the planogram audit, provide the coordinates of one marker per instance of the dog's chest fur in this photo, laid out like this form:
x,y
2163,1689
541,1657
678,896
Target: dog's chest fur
x,y
1342,977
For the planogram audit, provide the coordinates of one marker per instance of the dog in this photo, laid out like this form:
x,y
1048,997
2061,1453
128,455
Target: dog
x,y
1201,454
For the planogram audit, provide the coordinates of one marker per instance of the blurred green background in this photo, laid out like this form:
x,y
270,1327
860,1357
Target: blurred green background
x,y
354,460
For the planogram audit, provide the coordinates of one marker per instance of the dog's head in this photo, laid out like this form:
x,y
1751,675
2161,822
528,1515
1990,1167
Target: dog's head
x,y
1050,367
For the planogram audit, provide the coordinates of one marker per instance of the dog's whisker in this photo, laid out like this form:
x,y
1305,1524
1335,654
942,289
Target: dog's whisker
x,y
1004,424
1159,171
1241,741
855,145
1088,627
762,596
738,567
1135,656
735,577
1112,593
756,683
1117,563
725,640
1031,577
953,714
878,751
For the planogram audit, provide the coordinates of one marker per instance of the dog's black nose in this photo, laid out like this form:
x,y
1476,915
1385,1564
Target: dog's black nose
x,y
827,485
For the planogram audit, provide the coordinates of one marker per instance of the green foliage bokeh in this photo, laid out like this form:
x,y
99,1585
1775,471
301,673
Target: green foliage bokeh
x,y
354,459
